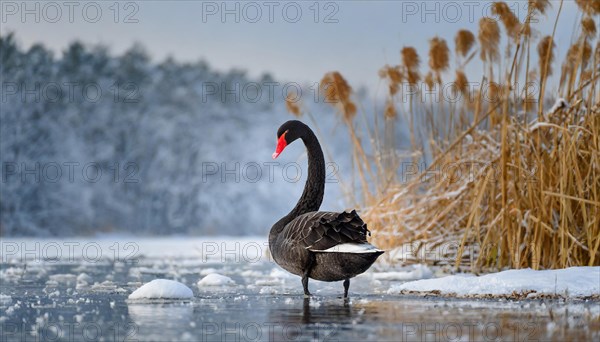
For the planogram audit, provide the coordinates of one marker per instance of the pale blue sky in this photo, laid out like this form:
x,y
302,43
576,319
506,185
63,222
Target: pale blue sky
x,y
367,35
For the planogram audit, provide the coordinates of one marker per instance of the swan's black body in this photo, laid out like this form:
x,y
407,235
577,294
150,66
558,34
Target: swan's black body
x,y
298,242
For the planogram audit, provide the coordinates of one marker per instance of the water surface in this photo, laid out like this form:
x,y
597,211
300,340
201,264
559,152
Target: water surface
x,y
48,302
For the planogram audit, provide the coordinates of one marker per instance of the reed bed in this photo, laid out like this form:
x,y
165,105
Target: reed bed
x,y
501,178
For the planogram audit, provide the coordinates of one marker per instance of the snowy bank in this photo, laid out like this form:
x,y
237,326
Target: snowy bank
x,y
574,282
163,289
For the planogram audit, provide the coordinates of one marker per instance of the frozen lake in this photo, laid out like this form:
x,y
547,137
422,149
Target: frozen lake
x,y
77,291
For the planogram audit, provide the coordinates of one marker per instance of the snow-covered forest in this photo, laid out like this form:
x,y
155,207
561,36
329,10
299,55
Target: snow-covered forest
x,y
92,142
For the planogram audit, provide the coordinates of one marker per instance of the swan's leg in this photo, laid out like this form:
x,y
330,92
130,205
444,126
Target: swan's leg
x,y
307,269
346,287
305,284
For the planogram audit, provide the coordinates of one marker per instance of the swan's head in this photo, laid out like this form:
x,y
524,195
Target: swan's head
x,y
287,133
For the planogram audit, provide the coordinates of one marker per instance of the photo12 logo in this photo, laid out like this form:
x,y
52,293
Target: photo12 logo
x,y
52,12
70,92
65,330
54,172
270,12
252,172
68,251
456,11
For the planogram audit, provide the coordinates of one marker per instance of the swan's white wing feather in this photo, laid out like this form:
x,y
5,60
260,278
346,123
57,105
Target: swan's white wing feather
x,y
350,248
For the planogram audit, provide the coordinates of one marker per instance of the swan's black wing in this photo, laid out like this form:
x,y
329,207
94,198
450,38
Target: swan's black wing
x,y
320,230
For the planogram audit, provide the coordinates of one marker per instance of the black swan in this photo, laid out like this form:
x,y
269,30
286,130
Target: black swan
x,y
321,245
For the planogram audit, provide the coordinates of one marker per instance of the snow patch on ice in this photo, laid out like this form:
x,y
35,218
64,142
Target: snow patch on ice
x,y
162,288
215,279
575,282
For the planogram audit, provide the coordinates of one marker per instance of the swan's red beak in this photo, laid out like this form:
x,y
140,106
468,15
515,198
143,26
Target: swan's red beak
x,y
281,144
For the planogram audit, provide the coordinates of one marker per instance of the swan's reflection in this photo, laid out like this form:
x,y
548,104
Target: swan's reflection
x,y
158,319
319,319
326,312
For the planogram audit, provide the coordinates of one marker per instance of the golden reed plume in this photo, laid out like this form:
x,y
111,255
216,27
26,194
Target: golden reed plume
x,y
411,61
509,19
463,42
338,91
489,39
589,7
546,54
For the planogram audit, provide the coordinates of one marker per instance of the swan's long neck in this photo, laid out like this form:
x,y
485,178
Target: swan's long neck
x,y
314,189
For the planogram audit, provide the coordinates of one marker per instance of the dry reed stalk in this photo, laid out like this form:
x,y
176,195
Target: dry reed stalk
x,y
338,92
489,42
394,76
463,41
411,62
439,61
543,79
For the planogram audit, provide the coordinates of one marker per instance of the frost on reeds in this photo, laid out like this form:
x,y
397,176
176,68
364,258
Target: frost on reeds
x,y
497,183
